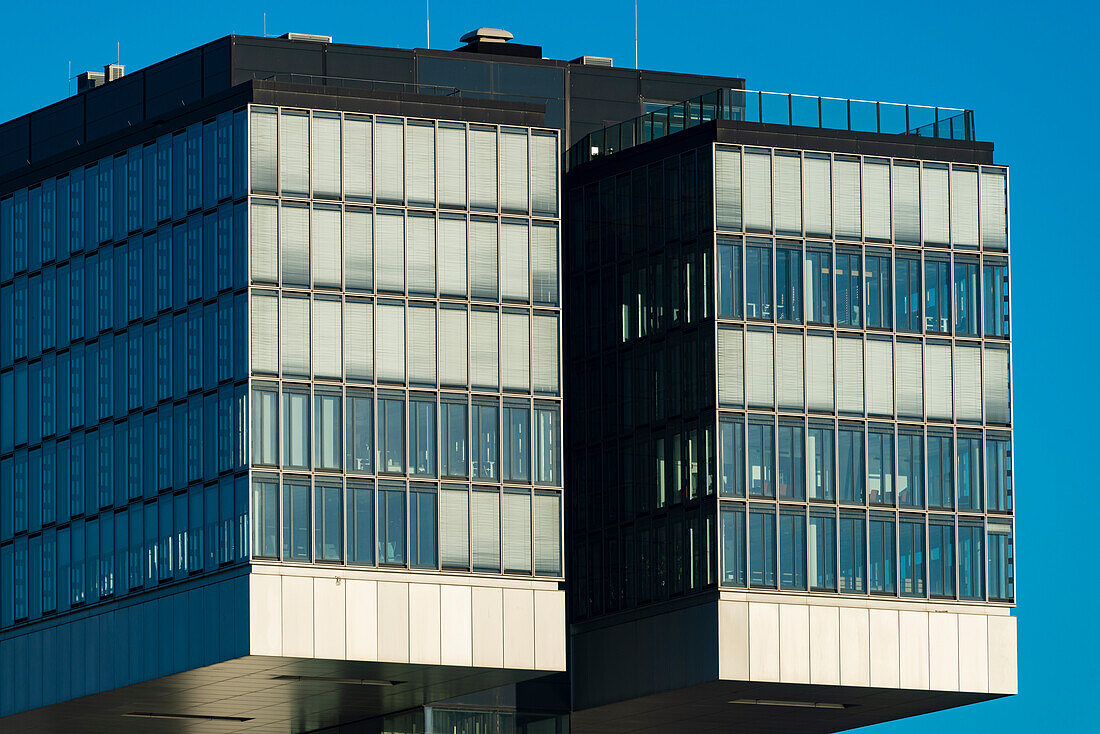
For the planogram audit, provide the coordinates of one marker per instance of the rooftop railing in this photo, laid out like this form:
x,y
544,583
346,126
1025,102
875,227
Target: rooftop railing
x,y
776,108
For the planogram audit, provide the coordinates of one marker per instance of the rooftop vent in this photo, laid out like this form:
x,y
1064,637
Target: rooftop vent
x,y
487,35
113,71
593,61
89,80
316,38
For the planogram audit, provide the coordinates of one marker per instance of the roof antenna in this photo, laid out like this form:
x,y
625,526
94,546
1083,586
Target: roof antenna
x,y
118,52
635,34
70,89
428,21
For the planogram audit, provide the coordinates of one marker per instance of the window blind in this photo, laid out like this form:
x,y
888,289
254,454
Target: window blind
x,y
907,203
513,170
483,259
758,191
485,511
968,383
731,378
515,348
483,350
454,527
452,165
934,204
846,198
421,267
544,174
819,375
994,208
265,333
819,195
325,158
910,376
325,241
294,245
327,339
544,354
761,390
789,379
389,160
390,342
294,328
452,256
390,240
420,163
358,250
727,188
483,169
788,194
452,347
421,345
547,533
517,532
876,200
964,207
849,375
937,380
544,264
359,340
262,137
264,241
880,377
294,154
514,268
997,408
358,169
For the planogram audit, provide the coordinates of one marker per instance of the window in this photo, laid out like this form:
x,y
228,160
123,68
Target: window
x,y
911,557
484,432
732,451
879,298
880,467
819,287
516,531
910,469
941,558
485,518
970,471
546,514
762,547
391,435
819,450
729,278
328,523
391,524
881,550
360,430
791,462
453,427
850,458
849,294
360,524
454,527
327,424
758,281
822,552
727,184
761,459
422,529
296,521
1001,576
546,445
516,452
908,290
296,430
998,475
941,471
265,433
966,297
422,438
971,561
792,550
995,285
788,285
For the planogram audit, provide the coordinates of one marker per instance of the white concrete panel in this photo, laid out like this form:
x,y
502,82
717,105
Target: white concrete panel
x,y
361,604
424,624
455,639
297,618
943,652
825,646
733,640
913,649
550,630
763,642
973,653
519,629
393,621
884,648
794,643
1002,655
855,655
329,610
265,627
488,627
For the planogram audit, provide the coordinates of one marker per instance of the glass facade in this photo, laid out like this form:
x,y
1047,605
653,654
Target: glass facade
x,y
405,342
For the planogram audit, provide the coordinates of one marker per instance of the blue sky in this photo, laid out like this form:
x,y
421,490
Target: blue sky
x,y
1026,69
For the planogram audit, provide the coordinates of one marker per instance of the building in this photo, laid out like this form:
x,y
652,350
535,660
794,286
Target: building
x,y
284,446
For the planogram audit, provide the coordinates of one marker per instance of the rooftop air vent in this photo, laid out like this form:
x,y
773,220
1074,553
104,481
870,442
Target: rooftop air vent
x,y
89,80
316,38
113,71
593,61
495,41
487,35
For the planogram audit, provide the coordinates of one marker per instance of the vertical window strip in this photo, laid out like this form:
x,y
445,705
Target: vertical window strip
x,y
761,385
515,345
544,174
934,207
790,378
846,198
758,191
452,165
788,194
483,169
262,150
359,340
293,154
994,209
358,152
421,345
265,333
390,330
358,248
325,159
876,200
968,383
880,377
327,262
817,180
452,347
421,254
264,241
544,264
544,353
513,170
514,256
389,160
819,388
547,533
420,163
390,240
294,245
731,381
727,184
997,408
906,189
327,339
452,256
294,331
937,382
964,207
910,376
849,375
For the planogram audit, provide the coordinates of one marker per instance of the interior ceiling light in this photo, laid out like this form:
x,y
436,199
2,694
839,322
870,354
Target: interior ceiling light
x,y
795,704
351,681
188,717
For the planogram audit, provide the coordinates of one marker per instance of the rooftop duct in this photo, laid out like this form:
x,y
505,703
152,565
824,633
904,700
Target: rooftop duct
x,y
496,41
315,37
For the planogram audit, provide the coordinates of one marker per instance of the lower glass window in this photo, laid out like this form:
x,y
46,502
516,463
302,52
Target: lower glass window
x,y
762,547
971,561
852,554
422,529
1001,573
517,444
391,525
880,538
911,557
941,558
360,523
822,553
733,545
792,550
296,521
452,431
328,526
